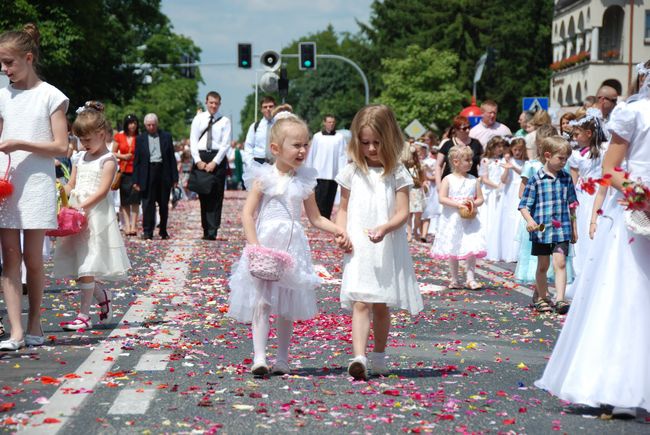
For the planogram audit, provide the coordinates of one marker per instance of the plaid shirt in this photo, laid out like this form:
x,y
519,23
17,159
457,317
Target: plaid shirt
x,y
548,198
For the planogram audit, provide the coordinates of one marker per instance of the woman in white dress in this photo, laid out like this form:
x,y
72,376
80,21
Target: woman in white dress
x,y
602,356
33,130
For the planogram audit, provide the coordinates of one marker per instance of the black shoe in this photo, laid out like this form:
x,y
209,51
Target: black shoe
x,y
209,237
147,236
164,235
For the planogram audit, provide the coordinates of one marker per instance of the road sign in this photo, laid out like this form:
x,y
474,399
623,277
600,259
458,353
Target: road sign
x,y
415,129
533,104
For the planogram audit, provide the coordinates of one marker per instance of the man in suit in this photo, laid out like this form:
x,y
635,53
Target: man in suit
x,y
154,174
209,143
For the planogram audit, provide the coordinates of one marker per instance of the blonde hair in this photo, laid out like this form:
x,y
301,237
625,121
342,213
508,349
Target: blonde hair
x,y
23,41
457,153
381,120
90,119
555,145
541,117
281,127
542,133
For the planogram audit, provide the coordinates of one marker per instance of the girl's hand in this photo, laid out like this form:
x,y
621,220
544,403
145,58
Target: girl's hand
x,y
376,235
592,230
343,241
9,146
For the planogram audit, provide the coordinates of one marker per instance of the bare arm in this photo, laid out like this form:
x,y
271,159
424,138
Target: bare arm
x,y
485,178
522,186
614,157
479,200
319,221
598,203
440,167
55,148
574,175
531,225
248,213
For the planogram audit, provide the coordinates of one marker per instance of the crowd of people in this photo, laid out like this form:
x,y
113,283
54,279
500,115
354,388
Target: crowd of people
x,y
482,192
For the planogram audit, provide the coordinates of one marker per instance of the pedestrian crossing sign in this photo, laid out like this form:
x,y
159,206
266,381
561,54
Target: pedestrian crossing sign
x,y
415,129
534,104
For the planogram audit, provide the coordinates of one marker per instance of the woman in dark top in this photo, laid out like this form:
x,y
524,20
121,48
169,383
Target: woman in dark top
x,y
459,137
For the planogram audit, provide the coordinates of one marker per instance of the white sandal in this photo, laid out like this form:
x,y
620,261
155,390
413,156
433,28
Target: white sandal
x,y
78,323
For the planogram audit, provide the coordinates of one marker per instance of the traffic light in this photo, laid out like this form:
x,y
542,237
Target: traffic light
x,y
307,55
283,83
244,55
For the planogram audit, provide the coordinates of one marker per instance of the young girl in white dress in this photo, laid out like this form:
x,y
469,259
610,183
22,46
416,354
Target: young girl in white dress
x,y
602,356
276,195
586,165
378,275
97,252
462,238
510,218
33,130
417,194
490,171
432,208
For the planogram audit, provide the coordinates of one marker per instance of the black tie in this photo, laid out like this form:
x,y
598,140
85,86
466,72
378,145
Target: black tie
x,y
208,145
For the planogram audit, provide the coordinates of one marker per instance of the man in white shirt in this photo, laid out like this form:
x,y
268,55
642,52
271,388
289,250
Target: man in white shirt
x,y
488,127
327,155
256,138
209,143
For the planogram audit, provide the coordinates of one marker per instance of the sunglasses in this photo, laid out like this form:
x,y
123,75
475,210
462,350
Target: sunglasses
x,y
464,128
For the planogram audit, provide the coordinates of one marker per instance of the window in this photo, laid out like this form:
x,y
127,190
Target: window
x,y
647,26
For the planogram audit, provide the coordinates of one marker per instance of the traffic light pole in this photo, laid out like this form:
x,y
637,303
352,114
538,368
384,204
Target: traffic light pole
x,y
346,60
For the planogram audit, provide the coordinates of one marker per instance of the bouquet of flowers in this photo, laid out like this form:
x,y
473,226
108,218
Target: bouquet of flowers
x,y
6,188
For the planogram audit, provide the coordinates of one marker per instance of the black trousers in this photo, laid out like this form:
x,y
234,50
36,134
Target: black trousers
x,y
156,193
325,195
211,203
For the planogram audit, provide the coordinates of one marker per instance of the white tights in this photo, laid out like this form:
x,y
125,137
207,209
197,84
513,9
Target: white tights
x,y
470,266
261,329
88,290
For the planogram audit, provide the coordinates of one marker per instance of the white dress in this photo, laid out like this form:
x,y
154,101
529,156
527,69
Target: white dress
x,y
602,355
99,250
433,208
377,272
293,296
587,168
490,212
459,238
26,115
510,218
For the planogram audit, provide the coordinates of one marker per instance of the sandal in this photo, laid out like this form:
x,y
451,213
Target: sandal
x,y
2,329
473,285
106,310
562,307
453,285
78,323
542,306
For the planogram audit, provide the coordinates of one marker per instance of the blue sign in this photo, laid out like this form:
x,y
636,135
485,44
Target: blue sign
x,y
533,104
473,120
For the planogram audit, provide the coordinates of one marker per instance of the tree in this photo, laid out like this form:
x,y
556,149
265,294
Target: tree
x,y
520,32
421,86
89,49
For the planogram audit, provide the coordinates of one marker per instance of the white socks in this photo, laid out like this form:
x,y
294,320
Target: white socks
x,y
261,329
471,265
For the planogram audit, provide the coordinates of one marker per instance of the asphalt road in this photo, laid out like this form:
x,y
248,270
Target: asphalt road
x,y
173,363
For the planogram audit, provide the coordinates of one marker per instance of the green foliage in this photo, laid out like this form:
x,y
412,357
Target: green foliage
x,y
88,49
520,32
421,85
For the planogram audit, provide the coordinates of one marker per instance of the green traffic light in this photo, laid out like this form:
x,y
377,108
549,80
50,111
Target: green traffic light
x,y
244,63
307,63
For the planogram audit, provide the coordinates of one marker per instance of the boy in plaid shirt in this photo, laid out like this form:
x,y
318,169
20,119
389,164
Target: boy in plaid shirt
x,y
548,206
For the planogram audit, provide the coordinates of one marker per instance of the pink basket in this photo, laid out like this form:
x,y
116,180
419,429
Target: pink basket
x,y
71,221
267,264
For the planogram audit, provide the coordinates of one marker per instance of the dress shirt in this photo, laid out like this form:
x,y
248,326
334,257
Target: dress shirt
x,y
255,143
483,133
155,155
221,133
327,155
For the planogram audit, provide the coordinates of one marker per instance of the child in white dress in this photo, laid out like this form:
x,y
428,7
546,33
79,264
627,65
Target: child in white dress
x,y
433,208
586,166
462,238
98,251
510,218
378,274
33,130
276,195
602,355
490,171
417,194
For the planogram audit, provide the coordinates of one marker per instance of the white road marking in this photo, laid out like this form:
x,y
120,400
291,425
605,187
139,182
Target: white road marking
x,y
153,361
132,401
171,276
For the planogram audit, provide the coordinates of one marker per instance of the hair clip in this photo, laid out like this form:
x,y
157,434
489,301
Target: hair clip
x,y
592,114
285,114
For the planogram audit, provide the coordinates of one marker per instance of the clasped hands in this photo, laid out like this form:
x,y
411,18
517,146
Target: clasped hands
x,y
207,167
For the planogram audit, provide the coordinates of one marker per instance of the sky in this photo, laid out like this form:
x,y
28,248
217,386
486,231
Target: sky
x,y
218,26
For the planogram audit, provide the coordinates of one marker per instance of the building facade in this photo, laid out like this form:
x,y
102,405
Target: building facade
x,y
597,42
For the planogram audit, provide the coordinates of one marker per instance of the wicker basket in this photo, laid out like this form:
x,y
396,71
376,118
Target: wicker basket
x,y
638,222
468,211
